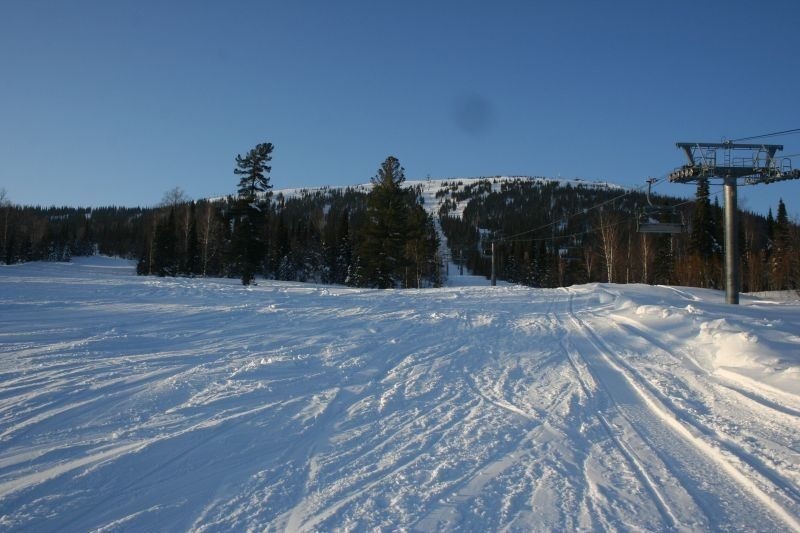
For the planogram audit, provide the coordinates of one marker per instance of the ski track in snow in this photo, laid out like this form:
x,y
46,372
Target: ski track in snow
x,y
135,403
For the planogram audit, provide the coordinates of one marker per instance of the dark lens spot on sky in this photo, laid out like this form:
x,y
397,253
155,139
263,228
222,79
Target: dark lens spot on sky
x,y
473,114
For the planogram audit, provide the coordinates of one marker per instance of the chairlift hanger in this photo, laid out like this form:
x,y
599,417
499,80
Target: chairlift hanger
x,y
645,224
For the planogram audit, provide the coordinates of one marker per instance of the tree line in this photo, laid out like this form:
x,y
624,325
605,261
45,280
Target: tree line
x,y
383,238
35,233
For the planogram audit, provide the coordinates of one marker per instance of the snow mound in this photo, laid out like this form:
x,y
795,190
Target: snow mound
x,y
741,353
734,347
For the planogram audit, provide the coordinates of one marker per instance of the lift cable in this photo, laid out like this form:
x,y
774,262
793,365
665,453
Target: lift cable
x,y
597,228
583,211
765,135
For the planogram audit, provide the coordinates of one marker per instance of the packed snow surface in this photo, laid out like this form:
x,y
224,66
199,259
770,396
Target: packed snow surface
x,y
167,404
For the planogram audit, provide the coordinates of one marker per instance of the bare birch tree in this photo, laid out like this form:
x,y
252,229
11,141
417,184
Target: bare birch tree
x,y
609,240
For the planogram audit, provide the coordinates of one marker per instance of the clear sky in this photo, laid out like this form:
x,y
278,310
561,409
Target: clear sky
x,y
116,102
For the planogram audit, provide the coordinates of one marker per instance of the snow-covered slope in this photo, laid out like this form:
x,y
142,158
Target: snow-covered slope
x,y
166,404
431,186
434,193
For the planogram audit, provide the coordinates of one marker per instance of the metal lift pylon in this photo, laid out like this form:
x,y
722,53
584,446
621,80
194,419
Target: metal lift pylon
x,y
760,167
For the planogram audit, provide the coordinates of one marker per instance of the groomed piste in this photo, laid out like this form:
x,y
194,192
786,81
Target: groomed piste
x,y
150,403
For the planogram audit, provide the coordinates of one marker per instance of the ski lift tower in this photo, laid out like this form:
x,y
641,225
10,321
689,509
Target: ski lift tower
x,y
753,163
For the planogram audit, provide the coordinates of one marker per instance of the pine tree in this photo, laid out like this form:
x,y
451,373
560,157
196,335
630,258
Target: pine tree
x,y
11,249
383,244
85,244
664,264
355,273
192,259
248,244
5,205
702,240
702,236
420,247
781,252
717,227
343,262
280,251
770,227
165,260
782,224
26,252
63,248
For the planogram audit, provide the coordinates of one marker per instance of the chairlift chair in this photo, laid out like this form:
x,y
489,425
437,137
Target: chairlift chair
x,y
651,217
648,221
570,253
485,247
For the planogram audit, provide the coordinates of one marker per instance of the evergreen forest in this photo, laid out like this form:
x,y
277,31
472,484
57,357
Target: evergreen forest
x,y
546,234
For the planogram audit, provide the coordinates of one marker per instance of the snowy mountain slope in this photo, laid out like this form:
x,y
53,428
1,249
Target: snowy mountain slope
x,y
434,193
431,186
143,403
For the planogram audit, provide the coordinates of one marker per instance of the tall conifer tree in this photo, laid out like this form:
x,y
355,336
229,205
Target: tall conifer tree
x,y
702,239
781,253
343,263
165,262
249,213
192,259
384,233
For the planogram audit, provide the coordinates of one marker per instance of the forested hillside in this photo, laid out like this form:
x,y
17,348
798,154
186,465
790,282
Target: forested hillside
x,y
549,233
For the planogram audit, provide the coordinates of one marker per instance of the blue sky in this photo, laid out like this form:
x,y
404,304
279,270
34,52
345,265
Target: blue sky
x,y
116,102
